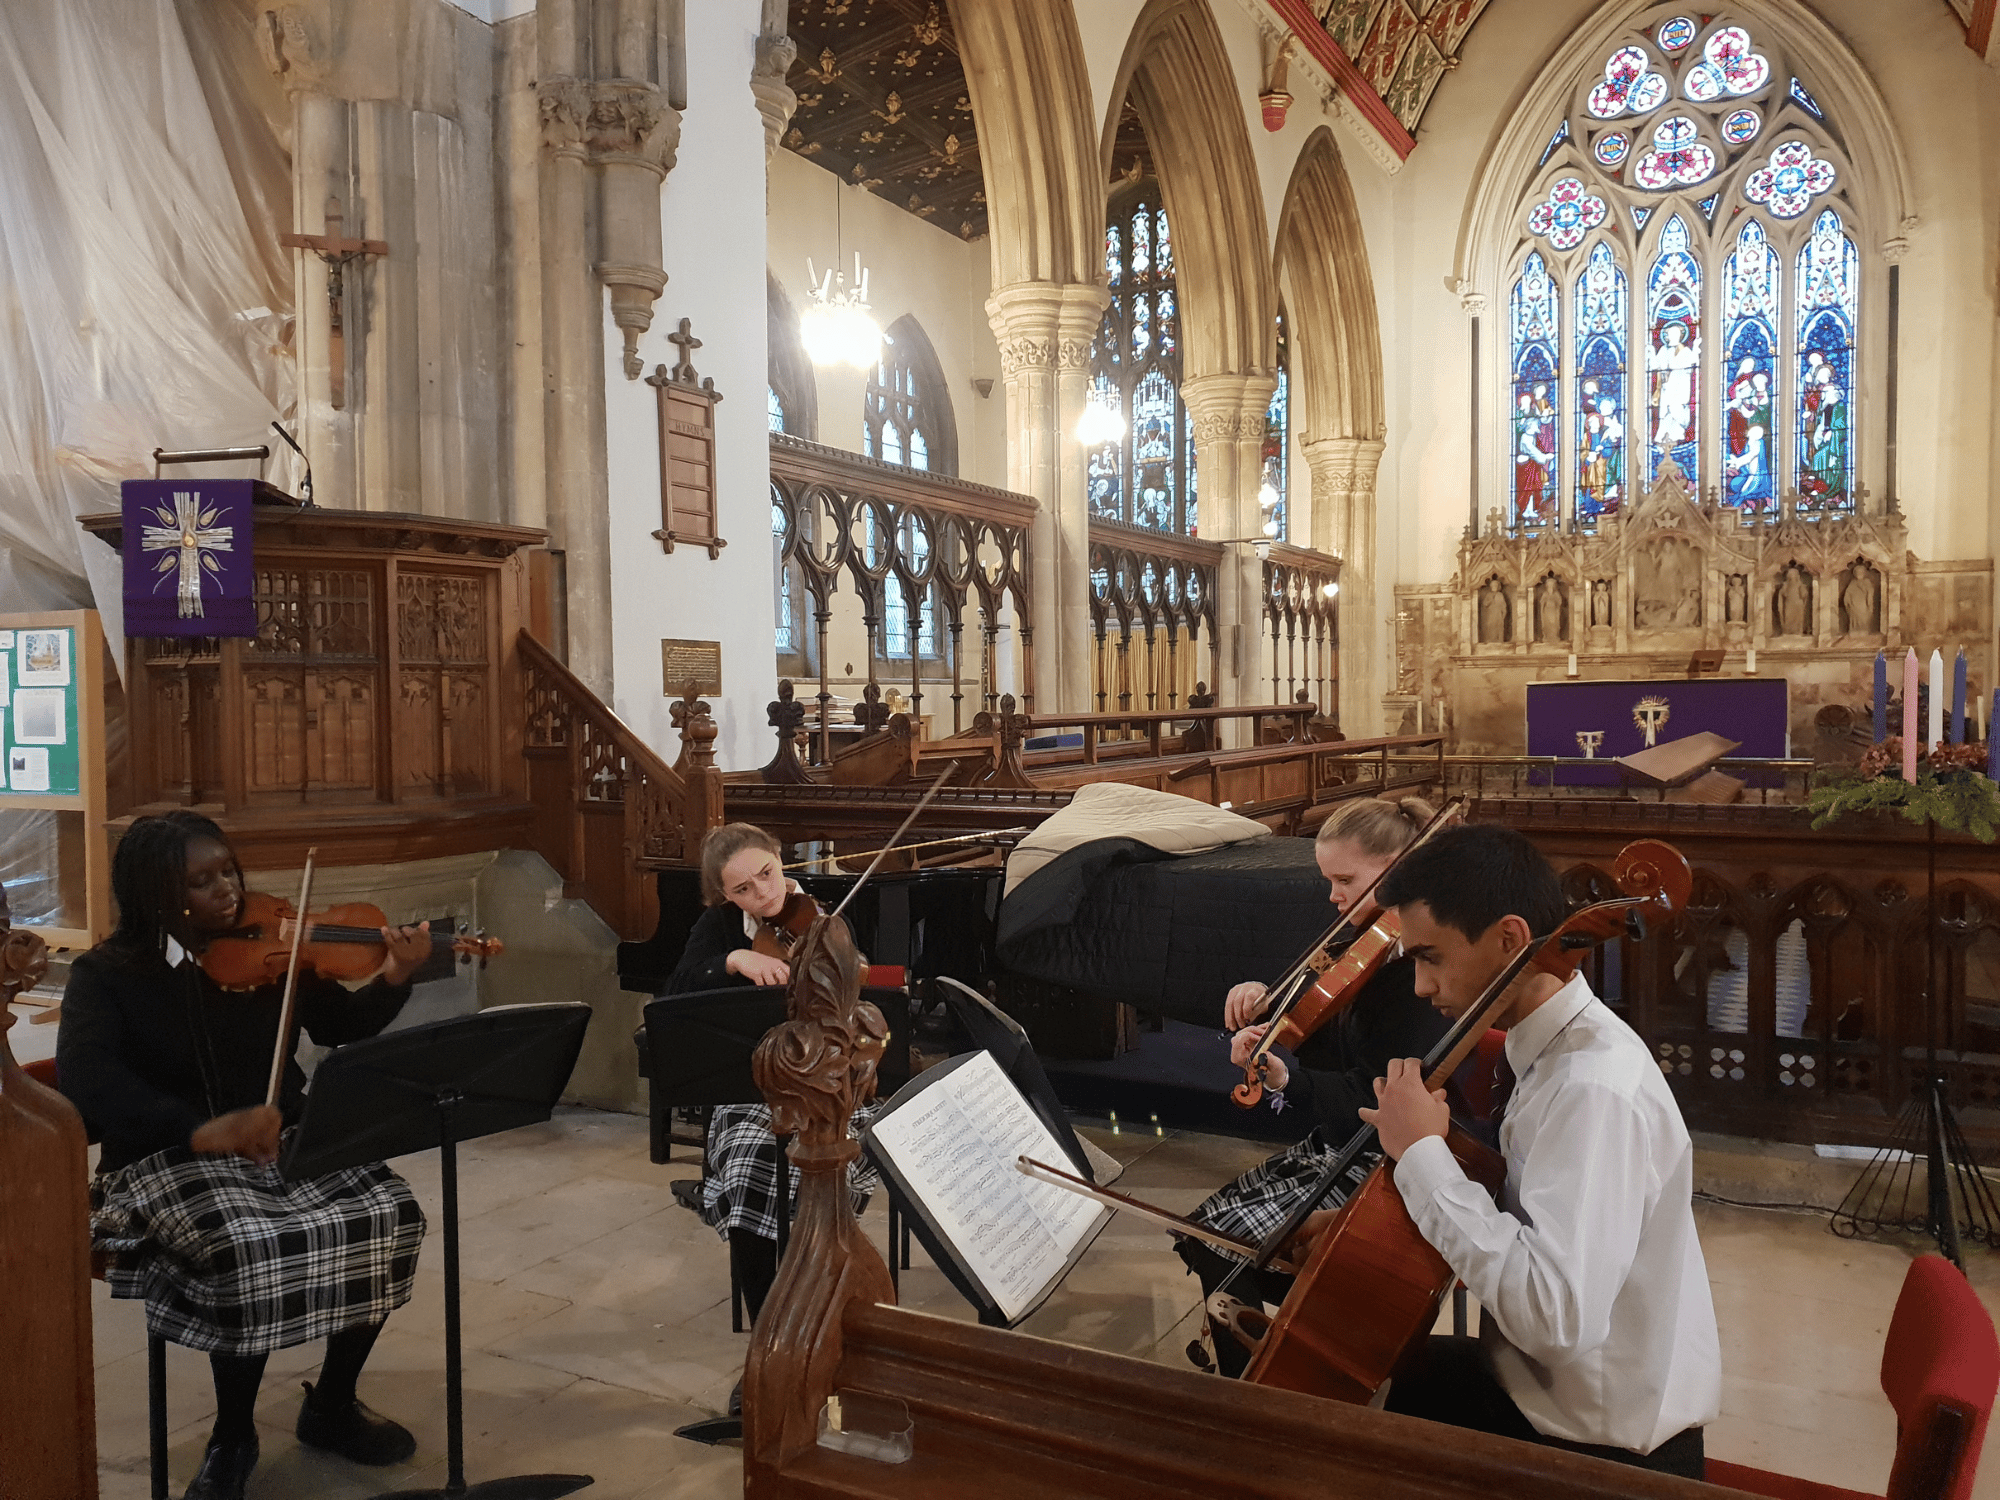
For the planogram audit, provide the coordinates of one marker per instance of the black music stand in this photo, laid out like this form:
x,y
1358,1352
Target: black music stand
x,y
437,1085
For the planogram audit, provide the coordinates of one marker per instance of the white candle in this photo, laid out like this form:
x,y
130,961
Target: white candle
x,y
1750,661
1934,732
1572,664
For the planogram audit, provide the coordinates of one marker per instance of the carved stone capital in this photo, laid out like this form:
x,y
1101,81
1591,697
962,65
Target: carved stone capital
x,y
775,100
564,104
293,38
1026,317
1228,408
1470,301
632,123
1343,465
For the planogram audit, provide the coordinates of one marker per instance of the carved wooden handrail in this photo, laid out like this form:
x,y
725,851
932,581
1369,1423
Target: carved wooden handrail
x,y
608,808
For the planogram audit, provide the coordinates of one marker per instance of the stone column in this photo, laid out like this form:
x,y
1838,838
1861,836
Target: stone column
x,y
1026,318
1343,506
1077,320
1228,416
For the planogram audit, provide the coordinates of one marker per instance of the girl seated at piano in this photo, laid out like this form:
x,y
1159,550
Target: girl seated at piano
x,y
1332,1077
744,883
170,1072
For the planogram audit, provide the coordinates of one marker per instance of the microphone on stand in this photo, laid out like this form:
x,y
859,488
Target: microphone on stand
x,y
305,489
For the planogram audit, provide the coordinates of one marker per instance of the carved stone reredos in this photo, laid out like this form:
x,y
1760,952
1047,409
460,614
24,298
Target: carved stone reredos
x,y
819,1066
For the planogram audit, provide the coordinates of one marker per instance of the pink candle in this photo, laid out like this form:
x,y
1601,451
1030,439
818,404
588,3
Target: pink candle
x,y
1911,727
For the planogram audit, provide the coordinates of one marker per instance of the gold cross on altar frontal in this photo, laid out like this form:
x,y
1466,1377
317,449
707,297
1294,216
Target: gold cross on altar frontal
x,y
336,252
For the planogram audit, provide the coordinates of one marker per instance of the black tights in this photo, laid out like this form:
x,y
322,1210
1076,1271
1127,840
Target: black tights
x,y
755,1260
238,1377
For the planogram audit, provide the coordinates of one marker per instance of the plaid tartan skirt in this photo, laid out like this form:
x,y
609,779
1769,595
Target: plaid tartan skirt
x,y
1259,1201
232,1259
740,1187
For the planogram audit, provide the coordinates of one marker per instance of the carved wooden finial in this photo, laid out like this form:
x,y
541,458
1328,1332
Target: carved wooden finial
x,y
788,716
691,716
684,340
871,713
815,1070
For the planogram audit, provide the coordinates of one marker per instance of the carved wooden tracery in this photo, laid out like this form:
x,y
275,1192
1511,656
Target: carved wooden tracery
x,y
963,543
1164,589
1302,613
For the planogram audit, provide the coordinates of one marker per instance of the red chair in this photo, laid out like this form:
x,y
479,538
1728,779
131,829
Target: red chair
x,y
1940,1367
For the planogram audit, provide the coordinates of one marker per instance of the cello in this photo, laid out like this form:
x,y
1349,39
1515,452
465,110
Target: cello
x,y
1372,1284
1319,987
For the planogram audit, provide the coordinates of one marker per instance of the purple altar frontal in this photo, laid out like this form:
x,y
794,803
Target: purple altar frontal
x,y
1604,720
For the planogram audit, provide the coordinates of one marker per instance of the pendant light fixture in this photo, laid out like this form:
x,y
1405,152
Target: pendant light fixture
x,y
836,326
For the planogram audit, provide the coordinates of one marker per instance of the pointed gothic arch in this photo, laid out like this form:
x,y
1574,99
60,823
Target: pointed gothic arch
x,y
1336,336
1030,93
1179,77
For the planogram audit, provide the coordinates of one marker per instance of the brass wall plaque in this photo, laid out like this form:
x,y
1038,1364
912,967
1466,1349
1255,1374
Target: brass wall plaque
x,y
685,661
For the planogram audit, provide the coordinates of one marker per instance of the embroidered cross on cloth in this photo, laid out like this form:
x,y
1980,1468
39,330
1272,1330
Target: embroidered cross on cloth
x,y
188,557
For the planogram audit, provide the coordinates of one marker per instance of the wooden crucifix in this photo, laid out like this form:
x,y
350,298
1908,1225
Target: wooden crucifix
x,y
336,252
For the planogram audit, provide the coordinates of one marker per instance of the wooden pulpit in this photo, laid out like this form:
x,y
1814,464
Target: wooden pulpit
x,y
377,709
48,1406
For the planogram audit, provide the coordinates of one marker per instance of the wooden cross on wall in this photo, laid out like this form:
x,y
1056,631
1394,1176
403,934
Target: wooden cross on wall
x,y
336,252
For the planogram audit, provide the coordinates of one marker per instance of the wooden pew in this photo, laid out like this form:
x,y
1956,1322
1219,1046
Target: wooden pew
x,y
997,1414
48,1404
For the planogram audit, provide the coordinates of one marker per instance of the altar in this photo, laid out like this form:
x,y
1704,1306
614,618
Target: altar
x,y
1606,719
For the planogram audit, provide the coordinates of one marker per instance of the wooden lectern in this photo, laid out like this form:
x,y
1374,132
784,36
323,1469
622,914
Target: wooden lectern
x,y
375,712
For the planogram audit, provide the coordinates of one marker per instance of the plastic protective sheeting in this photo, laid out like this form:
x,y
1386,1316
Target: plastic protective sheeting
x,y
141,305
144,301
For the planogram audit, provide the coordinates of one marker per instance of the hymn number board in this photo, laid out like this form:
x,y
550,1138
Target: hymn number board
x,y
687,450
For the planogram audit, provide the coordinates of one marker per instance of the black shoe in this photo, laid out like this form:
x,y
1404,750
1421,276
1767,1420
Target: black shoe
x,y
736,1400
687,1192
354,1432
225,1470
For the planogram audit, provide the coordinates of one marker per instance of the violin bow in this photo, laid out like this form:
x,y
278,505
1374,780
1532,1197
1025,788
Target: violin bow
x,y
281,1053
883,853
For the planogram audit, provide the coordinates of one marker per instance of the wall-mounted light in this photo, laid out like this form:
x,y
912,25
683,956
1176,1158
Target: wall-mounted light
x,y
1331,590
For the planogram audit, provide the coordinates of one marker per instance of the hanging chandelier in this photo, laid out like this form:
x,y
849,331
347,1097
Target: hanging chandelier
x,y
836,326
1099,424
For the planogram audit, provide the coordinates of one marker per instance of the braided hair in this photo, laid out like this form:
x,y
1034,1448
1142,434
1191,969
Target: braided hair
x,y
149,881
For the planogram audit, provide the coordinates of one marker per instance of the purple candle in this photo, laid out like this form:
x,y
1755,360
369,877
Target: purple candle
x,y
1958,698
1881,697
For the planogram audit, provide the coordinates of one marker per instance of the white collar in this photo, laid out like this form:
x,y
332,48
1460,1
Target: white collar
x,y
1528,1038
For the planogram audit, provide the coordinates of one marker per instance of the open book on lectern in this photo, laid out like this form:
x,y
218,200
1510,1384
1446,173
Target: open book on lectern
x,y
948,1144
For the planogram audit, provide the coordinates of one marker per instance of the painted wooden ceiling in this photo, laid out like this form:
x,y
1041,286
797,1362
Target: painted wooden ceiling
x,y
883,104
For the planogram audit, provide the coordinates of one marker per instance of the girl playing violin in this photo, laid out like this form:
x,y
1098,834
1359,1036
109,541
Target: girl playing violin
x,y
745,885
1337,1065
169,1071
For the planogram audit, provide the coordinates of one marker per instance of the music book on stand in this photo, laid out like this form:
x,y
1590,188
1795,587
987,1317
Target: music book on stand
x,y
948,1144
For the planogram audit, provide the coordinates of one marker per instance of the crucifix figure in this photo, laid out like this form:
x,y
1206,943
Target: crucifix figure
x,y
187,535
336,252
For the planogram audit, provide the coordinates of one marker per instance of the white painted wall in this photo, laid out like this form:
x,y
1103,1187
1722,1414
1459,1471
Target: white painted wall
x,y
713,219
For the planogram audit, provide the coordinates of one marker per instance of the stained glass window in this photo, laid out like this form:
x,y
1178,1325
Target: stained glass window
x,y
1748,375
1145,474
1673,352
1828,294
1691,216
893,416
1271,494
1601,323
1535,316
774,409
787,639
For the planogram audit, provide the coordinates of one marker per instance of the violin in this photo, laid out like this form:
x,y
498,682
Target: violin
x,y
339,942
1319,987
777,936
1372,1284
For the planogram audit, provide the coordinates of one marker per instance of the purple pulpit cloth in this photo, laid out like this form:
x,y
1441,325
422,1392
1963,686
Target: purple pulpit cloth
x,y
1752,710
189,559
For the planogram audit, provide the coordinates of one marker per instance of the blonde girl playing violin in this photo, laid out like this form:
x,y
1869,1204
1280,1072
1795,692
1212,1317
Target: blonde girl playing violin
x,y
1334,1073
743,880
169,1072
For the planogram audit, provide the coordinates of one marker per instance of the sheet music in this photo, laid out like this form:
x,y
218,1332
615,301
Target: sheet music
x,y
955,1145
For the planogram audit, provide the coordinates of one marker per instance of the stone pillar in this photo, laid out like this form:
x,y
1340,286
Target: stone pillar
x,y
1343,508
608,143
1228,416
1035,324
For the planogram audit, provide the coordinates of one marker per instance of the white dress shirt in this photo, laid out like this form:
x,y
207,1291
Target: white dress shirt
x,y
1596,1311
